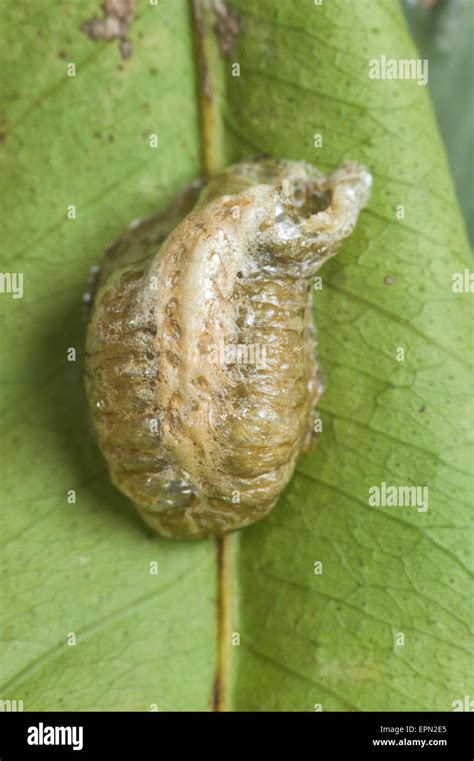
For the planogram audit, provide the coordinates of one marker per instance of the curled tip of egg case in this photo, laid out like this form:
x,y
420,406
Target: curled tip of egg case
x,y
201,372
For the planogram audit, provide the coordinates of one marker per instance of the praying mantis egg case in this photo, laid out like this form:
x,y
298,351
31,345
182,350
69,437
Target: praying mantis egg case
x,y
201,371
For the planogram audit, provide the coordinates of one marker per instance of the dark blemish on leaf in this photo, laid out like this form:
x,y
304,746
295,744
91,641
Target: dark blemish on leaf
x,y
62,55
389,280
110,138
125,47
117,15
227,27
153,71
422,408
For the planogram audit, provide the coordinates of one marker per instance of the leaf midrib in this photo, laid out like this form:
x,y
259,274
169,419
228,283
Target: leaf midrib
x,y
212,159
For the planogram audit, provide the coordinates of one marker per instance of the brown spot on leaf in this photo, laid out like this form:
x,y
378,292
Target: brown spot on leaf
x,y
227,27
117,15
389,280
125,47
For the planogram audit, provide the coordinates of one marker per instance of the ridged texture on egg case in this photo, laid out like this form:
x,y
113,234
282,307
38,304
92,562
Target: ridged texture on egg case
x,y
201,371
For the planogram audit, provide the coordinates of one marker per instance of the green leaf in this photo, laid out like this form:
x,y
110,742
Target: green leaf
x,y
306,638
